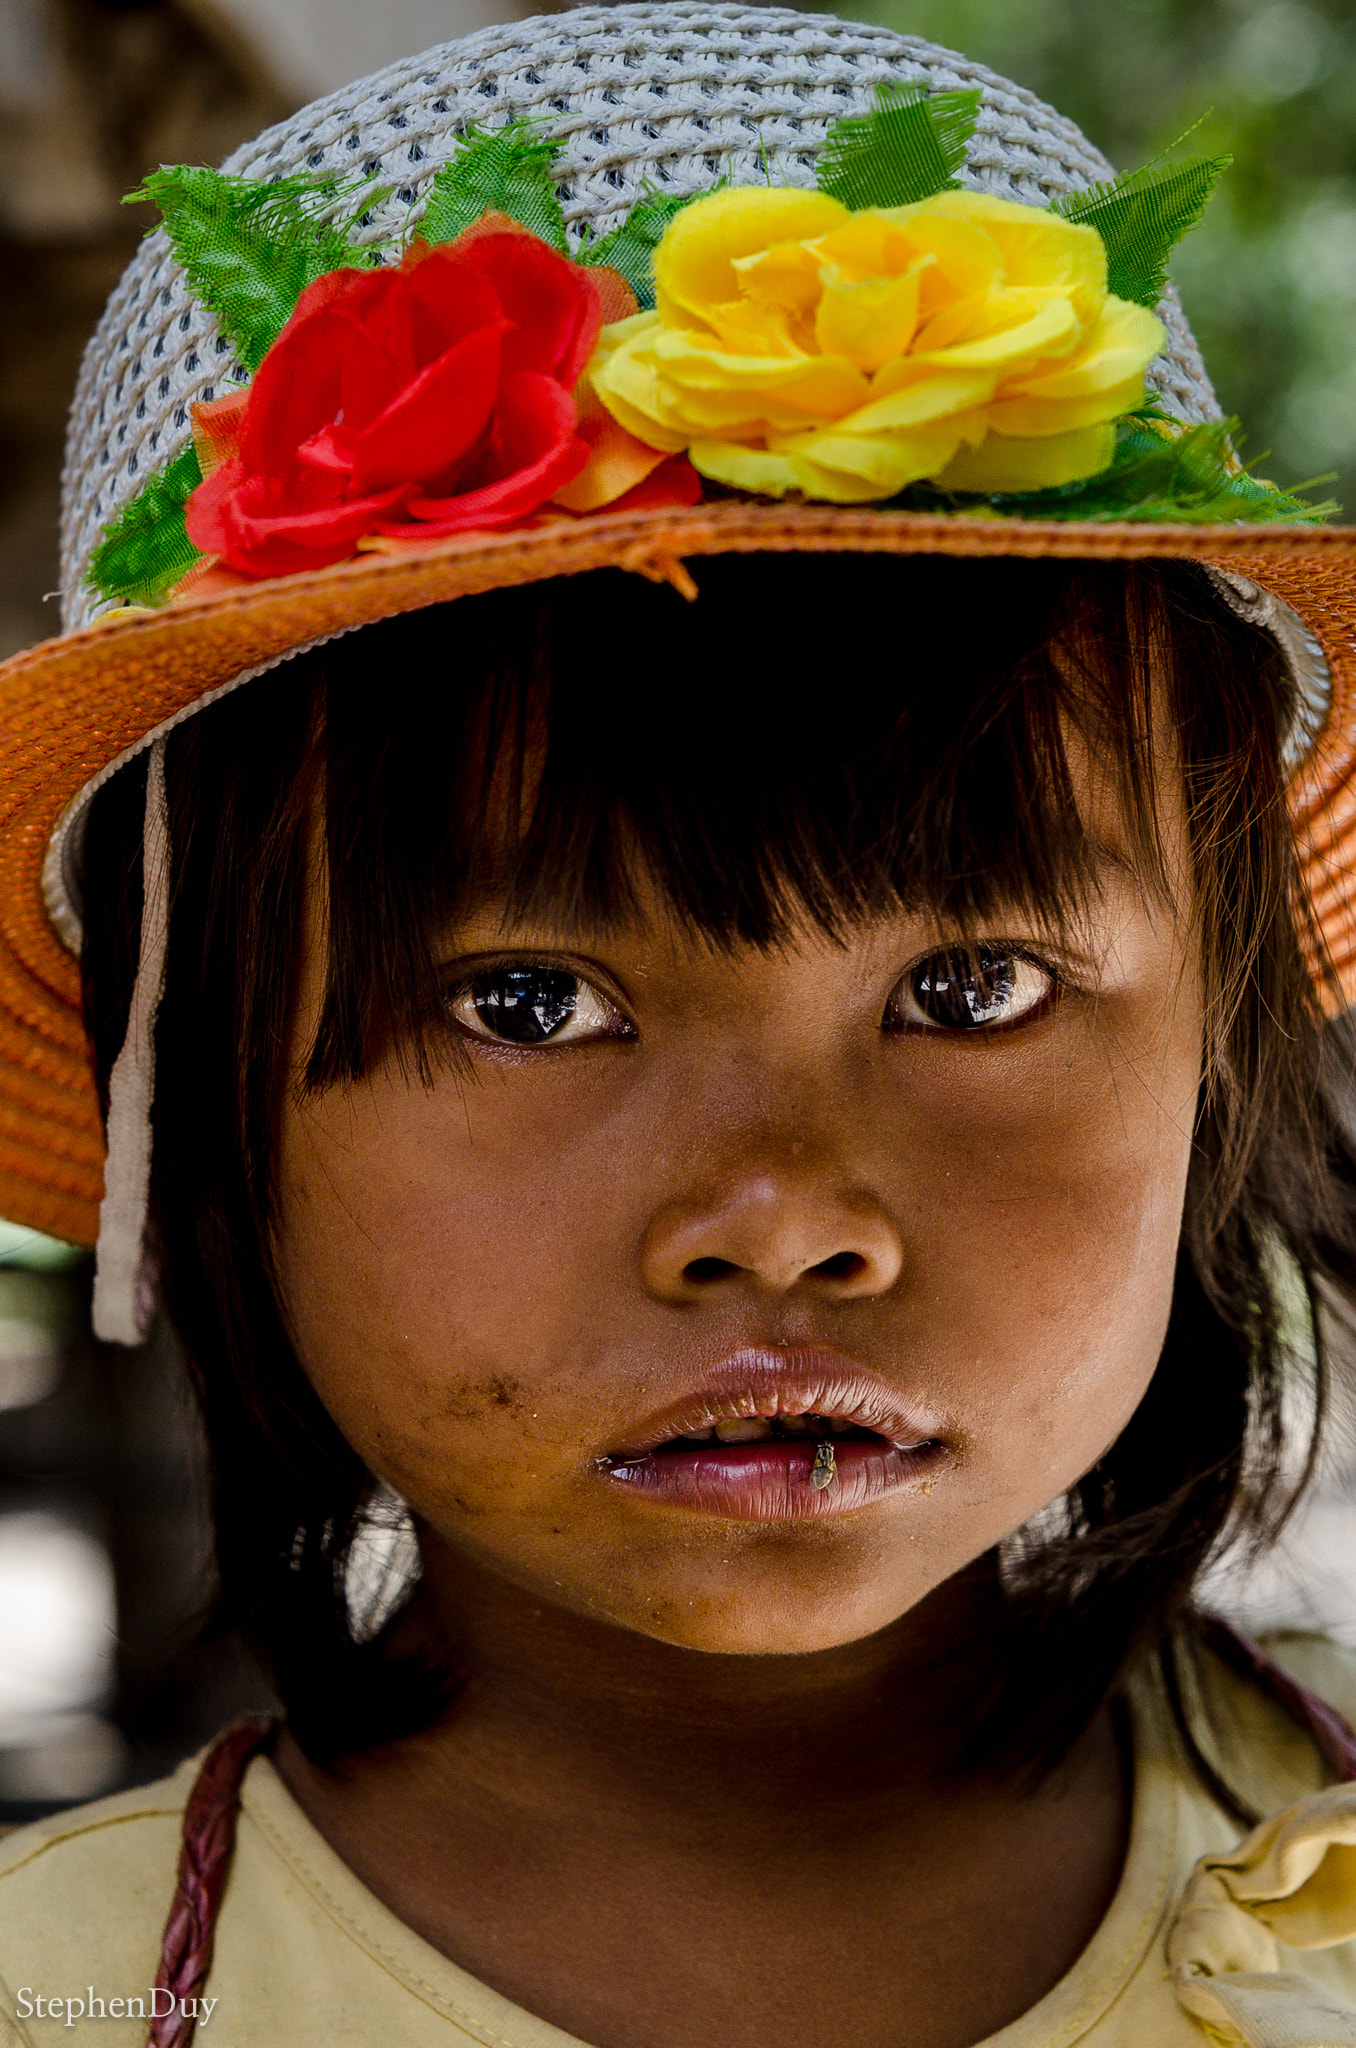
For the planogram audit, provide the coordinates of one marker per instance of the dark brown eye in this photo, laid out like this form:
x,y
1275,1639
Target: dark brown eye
x,y
969,989
533,1004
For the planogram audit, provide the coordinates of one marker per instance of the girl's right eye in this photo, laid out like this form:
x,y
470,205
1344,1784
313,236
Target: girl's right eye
x,y
534,1004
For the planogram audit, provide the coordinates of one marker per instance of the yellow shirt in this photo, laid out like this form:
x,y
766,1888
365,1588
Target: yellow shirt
x,y
307,1957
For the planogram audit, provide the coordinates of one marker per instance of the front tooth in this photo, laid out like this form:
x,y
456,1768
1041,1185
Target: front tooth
x,y
700,1436
839,1427
751,1429
799,1425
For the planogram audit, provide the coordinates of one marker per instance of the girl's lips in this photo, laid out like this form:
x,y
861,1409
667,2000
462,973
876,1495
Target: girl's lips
x,y
833,1438
775,1481
762,1382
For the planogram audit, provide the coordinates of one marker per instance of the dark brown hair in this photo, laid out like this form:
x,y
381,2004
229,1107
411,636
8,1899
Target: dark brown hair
x,y
817,736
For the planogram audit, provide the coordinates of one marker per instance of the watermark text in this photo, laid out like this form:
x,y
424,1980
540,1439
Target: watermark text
x,y
157,2003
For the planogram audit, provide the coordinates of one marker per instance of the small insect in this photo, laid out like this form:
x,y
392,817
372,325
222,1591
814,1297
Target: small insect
x,y
823,1472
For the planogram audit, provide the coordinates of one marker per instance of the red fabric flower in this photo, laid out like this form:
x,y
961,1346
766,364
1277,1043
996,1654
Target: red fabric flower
x,y
413,402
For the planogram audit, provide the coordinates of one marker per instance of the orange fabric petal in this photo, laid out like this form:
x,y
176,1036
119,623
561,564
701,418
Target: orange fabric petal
x,y
216,428
209,578
615,295
617,460
675,482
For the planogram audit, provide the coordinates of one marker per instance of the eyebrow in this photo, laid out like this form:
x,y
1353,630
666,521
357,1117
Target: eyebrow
x,y
1117,864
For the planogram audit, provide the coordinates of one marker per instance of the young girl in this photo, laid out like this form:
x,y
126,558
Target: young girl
x,y
707,859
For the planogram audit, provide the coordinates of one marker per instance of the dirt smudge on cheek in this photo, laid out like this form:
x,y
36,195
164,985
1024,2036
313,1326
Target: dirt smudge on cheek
x,y
461,1446
482,1400
666,1617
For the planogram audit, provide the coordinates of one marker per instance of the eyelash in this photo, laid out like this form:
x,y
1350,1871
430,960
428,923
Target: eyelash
x,y
550,996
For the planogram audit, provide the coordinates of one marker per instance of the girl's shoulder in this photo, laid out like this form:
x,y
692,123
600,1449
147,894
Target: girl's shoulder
x,y
126,1833
1259,1932
83,1898
1270,1743
303,1951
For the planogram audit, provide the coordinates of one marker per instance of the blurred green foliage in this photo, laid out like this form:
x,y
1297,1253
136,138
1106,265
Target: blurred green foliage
x,y
1269,278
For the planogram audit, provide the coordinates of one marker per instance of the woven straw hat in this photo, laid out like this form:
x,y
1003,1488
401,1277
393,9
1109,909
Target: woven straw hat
x,y
670,98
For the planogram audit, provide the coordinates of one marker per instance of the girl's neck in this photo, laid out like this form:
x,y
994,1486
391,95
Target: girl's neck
x,y
584,1696
648,1846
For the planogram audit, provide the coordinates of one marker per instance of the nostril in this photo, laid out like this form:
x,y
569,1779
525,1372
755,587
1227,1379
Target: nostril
x,y
842,1266
700,1270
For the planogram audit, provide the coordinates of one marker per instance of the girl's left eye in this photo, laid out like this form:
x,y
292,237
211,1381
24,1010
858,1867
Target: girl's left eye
x,y
969,988
533,1005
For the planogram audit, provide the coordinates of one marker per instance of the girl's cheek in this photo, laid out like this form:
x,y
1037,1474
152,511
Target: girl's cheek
x,y
436,1298
1051,1235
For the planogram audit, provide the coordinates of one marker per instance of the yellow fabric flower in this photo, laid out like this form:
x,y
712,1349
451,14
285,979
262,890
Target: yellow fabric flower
x,y
796,346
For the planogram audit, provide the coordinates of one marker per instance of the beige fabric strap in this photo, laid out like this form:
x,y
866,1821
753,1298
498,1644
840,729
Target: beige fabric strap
x,y
124,1281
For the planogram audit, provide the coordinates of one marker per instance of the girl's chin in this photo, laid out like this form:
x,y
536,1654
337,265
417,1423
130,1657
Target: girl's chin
x,y
766,1610
741,1629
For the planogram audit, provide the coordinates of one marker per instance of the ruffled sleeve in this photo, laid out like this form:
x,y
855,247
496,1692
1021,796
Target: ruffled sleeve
x,y
1291,1884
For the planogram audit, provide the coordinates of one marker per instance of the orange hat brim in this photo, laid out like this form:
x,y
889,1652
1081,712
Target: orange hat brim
x,y
71,706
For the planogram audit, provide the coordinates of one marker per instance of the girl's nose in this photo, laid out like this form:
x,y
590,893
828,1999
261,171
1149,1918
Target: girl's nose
x,y
773,1234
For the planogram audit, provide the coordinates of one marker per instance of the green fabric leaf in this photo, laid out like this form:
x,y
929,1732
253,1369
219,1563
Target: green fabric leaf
x,y
908,147
1142,217
145,550
1161,471
508,169
630,247
250,248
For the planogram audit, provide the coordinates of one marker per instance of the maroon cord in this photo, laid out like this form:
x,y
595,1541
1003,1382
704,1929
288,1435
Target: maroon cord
x,y
204,1859
209,1822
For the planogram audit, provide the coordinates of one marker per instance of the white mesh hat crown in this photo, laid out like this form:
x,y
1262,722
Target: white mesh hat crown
x,y
674,98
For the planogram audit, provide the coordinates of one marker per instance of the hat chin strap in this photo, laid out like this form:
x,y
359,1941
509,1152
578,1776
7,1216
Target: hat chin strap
x,y
124,1273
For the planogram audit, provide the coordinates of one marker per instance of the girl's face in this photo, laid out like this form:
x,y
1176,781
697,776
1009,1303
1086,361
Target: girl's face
x,y
743,1298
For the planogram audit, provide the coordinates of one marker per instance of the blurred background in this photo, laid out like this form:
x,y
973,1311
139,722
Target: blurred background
x,y
102,1550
